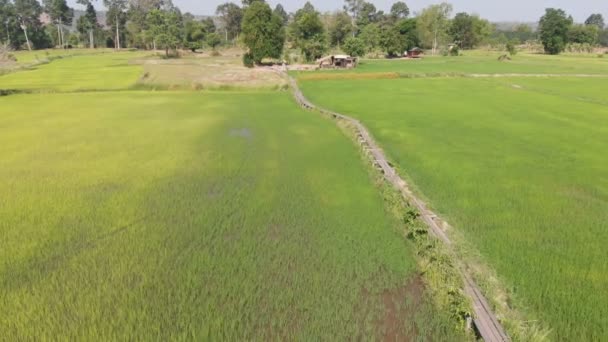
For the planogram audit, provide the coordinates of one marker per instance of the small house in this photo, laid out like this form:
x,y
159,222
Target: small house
x,y
338,61
414,53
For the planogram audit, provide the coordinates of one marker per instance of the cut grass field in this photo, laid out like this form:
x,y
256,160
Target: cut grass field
x,y
518,165
139,215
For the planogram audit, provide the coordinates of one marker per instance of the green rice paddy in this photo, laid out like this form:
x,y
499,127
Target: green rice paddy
x,y
475,62
516,164
141,215
111,71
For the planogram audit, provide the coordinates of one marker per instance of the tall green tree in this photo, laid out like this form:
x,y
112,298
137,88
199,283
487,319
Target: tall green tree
x,y
402,36
399,10
340,28
263,32
354,46
583,34
280,11
61,14
554,27
87,24
308,32
231,16
196,32
371,35
27,13
353,7
433,24
596,20
469,30
367,15
166,29
116,18
8,28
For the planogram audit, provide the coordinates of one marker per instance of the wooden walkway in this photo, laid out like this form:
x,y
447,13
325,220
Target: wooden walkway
x,y
486,323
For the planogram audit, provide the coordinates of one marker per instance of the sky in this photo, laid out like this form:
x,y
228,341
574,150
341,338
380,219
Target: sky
x,y
494,10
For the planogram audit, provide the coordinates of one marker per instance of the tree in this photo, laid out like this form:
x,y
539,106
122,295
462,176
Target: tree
x,y
8,25
433,24
603,38
583,34
370,35
308,32
231,16
340,28
510,47
399,10
166,28
353,7
597,20
263,32
354,46
400,37
367,15
115,17
87,23
194,32
61,14
469,30
213,40
28,12
280,11
554,27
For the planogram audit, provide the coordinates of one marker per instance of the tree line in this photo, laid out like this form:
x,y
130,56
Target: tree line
x,y
143,24
359,28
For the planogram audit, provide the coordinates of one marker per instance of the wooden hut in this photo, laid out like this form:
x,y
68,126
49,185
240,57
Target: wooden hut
x,y
414,53
338,61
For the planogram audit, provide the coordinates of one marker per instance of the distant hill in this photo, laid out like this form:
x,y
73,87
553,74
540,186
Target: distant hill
x,y
511,25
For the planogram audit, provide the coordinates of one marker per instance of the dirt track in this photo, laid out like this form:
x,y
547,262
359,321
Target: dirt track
x,y
484,318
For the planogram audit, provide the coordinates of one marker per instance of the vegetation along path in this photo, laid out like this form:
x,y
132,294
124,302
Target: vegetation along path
x,y
485,320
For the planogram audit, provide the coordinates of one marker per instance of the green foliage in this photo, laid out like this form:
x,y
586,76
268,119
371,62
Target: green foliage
x,y
281,13
196,32
354,47
468,31
433,24
263,32
596,20
583,34
554,27
231,16
402,36
511,48
248,60
340,28
371,36
308,33
213,40
166,29
367,15
400,10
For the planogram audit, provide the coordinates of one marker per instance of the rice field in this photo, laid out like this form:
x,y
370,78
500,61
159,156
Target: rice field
x,y
486,62
518,165
182,215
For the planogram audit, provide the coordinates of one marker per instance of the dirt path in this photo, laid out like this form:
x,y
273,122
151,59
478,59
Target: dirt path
x,y
484,319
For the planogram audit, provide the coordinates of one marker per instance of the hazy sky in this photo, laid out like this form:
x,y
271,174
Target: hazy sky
x,y
495,10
